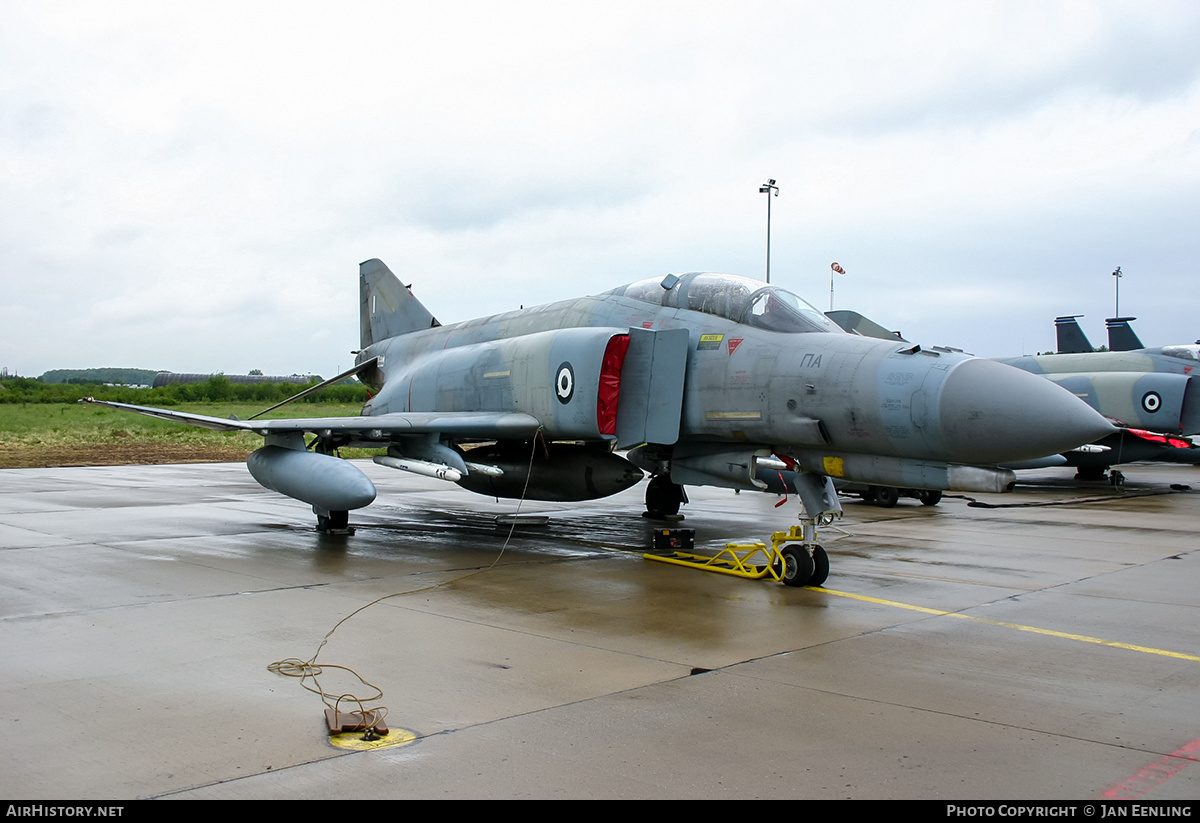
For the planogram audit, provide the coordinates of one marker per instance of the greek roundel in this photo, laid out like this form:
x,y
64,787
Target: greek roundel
x,y
564,383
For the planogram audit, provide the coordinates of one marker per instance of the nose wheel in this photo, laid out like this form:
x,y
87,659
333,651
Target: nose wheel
x,y
802,567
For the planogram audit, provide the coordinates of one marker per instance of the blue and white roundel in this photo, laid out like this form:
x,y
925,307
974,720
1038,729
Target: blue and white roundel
x,y
1151,401
564,383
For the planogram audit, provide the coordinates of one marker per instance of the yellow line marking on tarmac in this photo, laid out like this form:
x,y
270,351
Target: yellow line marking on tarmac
x,y
1082,638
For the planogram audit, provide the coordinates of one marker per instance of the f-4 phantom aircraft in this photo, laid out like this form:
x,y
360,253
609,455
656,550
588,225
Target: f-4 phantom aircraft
x,y
699,376
1150,395
1151,392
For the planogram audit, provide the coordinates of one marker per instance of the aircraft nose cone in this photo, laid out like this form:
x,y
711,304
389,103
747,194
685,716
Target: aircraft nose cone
x,y
992,413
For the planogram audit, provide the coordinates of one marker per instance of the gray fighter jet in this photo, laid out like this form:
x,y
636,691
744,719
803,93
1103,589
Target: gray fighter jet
x,y
1152,393
699,376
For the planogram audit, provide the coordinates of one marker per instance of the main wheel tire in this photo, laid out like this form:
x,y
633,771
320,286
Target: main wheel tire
x,y
930,497
797,565
820,567
887,496
663,497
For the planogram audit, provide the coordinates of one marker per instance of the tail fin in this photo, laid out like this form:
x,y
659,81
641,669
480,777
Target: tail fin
x,y
1071,339
1121,336
387,308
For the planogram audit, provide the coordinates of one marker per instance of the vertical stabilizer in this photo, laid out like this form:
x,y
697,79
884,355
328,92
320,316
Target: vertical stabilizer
x,y
387,307
1071,339
1121,336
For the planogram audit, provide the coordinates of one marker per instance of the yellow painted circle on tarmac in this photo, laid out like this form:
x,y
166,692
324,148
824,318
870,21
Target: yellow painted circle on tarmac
x,y
353,741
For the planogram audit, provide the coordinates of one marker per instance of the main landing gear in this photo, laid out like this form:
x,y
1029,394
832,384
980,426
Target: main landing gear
x,y
663,497
889,496
1113,476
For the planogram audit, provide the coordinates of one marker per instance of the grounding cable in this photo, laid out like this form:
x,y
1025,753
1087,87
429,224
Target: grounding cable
x,y
371,718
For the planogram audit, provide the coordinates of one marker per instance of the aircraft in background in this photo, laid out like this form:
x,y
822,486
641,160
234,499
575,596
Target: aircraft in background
x,y
700,376
1121,337
1153,394
1150,394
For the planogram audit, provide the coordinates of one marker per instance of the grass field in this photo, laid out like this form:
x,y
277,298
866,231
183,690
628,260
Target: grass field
x,y
72,434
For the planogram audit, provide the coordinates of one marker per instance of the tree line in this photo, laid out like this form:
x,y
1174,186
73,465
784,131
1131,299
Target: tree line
x,y
216,389
143,377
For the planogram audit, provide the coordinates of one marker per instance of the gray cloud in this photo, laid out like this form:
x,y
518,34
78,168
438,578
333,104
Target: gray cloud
x,y
192,187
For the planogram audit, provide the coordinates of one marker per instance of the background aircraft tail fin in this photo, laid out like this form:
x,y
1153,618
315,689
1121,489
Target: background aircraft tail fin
x,y
1121,336
387,307
1071,339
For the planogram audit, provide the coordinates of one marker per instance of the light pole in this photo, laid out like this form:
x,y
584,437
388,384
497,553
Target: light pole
x,y
768,188
1117,274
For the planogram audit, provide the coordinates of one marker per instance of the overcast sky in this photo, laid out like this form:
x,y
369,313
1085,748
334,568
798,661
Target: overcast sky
x,y
191,187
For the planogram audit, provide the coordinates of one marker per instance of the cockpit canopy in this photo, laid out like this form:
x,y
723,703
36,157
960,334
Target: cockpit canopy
x,y
1182,352
733,297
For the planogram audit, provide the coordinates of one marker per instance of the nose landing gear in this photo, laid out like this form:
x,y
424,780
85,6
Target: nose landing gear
x,y
802,568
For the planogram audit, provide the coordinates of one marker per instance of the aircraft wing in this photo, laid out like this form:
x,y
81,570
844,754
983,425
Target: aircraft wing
x,y
487,425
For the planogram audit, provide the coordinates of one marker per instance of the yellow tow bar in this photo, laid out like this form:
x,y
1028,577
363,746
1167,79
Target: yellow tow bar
x,y
736,558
